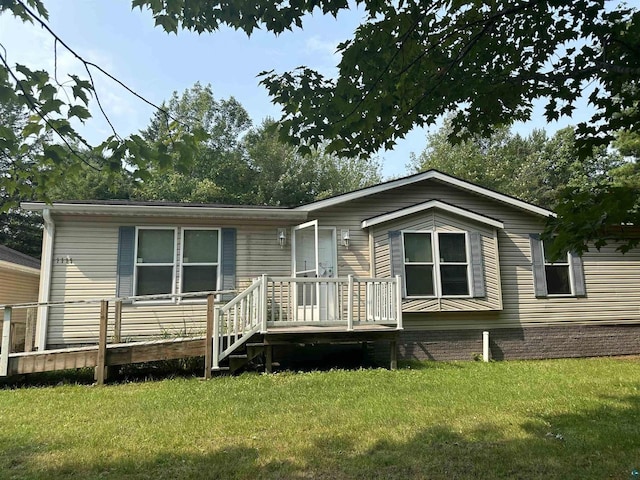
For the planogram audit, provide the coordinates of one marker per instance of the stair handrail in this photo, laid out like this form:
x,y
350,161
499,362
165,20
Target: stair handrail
x,y
248,309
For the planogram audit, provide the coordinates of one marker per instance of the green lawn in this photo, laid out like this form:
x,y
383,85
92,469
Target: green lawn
x,y
564,419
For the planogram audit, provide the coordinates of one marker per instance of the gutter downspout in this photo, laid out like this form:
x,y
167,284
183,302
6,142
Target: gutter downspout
x,y
45,279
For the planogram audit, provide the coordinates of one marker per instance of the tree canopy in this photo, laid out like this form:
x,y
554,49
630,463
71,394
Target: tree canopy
x,y
535,168
410,62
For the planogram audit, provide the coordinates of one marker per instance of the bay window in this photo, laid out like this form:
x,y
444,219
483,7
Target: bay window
x,y
436,264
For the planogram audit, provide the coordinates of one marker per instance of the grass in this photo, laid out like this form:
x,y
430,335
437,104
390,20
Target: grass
x,y
562,419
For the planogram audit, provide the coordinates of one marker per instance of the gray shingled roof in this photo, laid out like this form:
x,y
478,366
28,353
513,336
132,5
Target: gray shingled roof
x,y
12,256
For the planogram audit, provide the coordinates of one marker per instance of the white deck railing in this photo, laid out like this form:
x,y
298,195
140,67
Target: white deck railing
x,y
333,301
293,301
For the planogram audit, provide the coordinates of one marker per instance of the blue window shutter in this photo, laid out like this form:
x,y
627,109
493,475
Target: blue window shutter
x,y
124,270
397,257
577,272
537,264
228,270
477,265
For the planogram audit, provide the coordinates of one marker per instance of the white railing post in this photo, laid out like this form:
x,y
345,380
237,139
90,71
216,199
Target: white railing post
x,y
350,304
5,346
264,292
216,340
399,302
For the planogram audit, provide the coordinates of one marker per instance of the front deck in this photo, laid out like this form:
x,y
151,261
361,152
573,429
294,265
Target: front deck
x,y
273,311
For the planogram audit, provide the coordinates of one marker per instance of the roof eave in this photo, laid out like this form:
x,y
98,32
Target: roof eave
x,y
421,207
245,213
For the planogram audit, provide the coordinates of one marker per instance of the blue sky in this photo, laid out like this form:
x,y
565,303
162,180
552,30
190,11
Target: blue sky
x,y
155,64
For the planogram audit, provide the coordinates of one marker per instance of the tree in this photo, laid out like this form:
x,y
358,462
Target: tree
x,y
285,177
217,172
19,229
534,168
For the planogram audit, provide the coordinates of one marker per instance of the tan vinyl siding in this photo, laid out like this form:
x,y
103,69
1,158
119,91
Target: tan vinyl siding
x,y
91,245
612,279
18,286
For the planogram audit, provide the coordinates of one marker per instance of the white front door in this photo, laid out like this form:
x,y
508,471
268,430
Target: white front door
x,y
314,256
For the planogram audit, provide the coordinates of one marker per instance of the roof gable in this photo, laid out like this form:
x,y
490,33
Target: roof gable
x,y
420,177
421,207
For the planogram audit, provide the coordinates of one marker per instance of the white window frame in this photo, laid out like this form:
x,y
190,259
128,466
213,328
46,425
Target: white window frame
x,y
432,263
175,259
440,263
435,255
218,265
558,264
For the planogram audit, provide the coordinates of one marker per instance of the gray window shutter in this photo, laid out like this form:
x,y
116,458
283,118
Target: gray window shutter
x,y
537,263
397,256
477,265
124,270
577,272
228,270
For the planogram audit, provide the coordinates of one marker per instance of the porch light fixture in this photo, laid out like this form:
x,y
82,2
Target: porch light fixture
x,y
345,237
282,237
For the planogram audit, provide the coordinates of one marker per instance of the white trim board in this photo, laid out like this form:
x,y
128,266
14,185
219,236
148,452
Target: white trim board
x,y
187,211
421,207
420,177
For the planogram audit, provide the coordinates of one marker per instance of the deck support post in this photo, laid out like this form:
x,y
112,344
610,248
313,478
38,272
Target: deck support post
x,y
117,326
208,338
399,302
394,354
350,304
5,346
30,330
269,358
101,373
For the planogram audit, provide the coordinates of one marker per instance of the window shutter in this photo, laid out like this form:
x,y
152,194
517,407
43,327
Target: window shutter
x,y
124,270
397,257
537,263
577,272
228,270
477,265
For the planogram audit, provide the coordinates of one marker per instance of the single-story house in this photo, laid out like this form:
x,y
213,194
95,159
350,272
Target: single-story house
x,y
19,282
468,259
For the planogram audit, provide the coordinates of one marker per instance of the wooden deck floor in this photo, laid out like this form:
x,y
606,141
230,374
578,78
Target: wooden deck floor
x,y
167,349
116,354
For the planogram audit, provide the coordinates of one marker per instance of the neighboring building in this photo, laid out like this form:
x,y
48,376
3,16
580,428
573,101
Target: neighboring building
x,y
470,259
19,279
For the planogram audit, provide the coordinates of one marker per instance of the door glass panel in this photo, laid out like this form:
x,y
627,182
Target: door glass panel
x,y
305,251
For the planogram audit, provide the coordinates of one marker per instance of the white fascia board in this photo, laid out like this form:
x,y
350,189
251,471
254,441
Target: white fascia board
x,y
428,175
421,207
169,211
